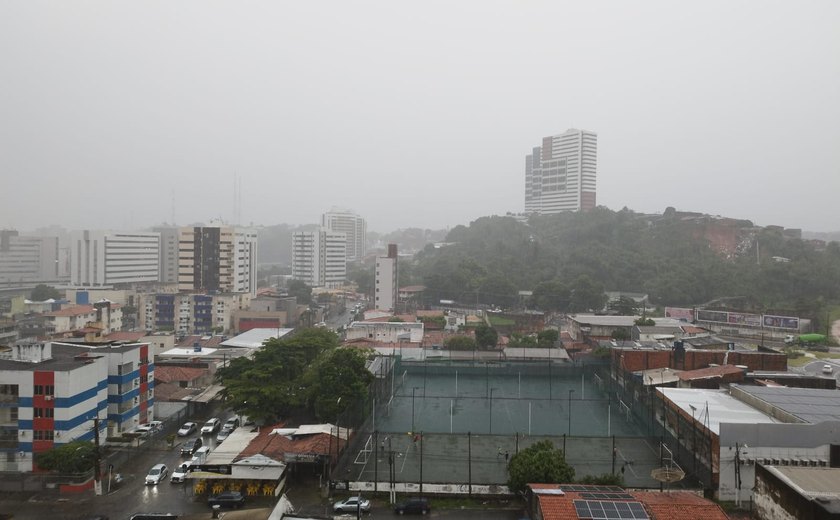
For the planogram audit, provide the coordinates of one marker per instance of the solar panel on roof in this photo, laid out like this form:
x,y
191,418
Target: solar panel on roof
x,y
607,496
606,510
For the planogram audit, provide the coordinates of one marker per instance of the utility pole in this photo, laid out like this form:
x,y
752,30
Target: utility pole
x,y
97,470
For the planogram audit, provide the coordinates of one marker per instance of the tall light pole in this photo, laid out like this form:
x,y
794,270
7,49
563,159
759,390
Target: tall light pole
x,y
491,409
413,390
571,391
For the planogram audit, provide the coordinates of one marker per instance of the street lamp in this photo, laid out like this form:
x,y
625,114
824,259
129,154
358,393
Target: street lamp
x,y
571,391
413,390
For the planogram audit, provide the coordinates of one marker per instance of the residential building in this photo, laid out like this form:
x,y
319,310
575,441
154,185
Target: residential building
x,y
106,258
52,392
354,228
560,174
217,259
319,258
28,259
104,315
169,242
385,331
385,282
189,313
796,493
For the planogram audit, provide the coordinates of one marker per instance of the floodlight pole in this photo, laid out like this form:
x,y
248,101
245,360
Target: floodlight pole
x,y
571,391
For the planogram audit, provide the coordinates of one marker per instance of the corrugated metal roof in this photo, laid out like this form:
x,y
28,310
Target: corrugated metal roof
x,y
722,408
812,405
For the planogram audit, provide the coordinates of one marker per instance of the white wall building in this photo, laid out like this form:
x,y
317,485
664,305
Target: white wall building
x,y
385,331
27,259
319,258
100,258
560,174
385,281
354,228
169,237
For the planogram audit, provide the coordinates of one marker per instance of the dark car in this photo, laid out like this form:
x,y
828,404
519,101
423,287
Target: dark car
x,y
189,447
227,499
413,505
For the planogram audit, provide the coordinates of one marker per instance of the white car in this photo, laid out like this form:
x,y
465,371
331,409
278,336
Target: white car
x,y
180,473
827,369
352,505
156,474
211,426
187,428
152,425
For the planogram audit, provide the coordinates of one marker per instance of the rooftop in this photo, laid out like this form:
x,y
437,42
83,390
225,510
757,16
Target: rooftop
x,y
713,407
255,338
811,405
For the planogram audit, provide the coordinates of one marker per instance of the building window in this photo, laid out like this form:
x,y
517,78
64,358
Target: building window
x,y
43,435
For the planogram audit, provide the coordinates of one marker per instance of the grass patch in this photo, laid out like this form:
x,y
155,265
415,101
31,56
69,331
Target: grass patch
x,y
499,321
802,360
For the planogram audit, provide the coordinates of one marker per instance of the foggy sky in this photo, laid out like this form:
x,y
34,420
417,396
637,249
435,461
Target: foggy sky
x,y
413,114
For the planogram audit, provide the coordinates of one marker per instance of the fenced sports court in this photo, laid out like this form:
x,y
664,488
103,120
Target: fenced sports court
x,y
459,423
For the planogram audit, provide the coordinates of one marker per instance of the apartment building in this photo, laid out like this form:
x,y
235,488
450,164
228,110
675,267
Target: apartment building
x,y
319,258
354,228
189,313
217,259
51,393
560,175
386,288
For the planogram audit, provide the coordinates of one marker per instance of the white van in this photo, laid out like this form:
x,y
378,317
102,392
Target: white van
x,y
827,369
200,455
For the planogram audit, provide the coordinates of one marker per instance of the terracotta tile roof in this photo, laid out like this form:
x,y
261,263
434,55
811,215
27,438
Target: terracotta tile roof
x,y
709,372
170,374
171,391
413,288
275,446
75,310
679,505
691,329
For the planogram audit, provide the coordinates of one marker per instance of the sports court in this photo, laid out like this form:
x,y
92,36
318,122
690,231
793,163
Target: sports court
x,y
460,425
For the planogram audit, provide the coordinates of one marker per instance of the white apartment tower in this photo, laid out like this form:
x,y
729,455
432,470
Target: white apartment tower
x,y
385,286
352,225
560,174
319,258
217,259
99,258
169,237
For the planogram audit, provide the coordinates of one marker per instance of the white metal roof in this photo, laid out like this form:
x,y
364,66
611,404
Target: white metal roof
x,y
722,408
255,338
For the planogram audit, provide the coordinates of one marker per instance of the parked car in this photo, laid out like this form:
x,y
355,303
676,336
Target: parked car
x,y
415,505
190,446
352,505
227,499
180,473
152,425
222,435
143,430
200,455
187,428
827,369
211,426
156,474
232,423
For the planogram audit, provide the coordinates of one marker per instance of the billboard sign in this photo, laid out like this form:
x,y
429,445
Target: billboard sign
x,y
782,322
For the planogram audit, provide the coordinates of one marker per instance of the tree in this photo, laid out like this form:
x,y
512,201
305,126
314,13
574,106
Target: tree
x,y
73,457
624,306
460,343
586,294
548,337
271,385
540,463
301,291
551,296
606,479
620,334
486,337
644,322
337,380
43,292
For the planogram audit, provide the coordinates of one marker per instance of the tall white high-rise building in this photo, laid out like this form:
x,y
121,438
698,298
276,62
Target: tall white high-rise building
x,y
169,237
560,174
352,225
385,281
319,258
99,258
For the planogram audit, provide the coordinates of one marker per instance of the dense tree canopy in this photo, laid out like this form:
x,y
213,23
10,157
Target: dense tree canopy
x,y
298,374
486,337
43,292
568,260
540,463
301,291
73,457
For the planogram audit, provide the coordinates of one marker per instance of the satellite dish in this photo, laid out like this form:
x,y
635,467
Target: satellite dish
x,y
667,474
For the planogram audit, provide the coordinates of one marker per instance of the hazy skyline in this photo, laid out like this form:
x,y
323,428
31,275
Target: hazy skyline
x,y
412,115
